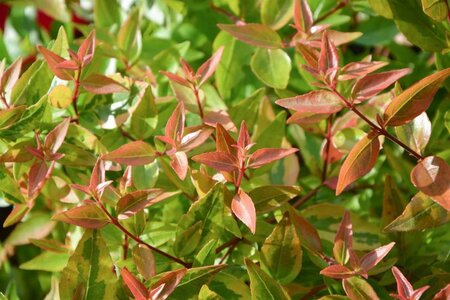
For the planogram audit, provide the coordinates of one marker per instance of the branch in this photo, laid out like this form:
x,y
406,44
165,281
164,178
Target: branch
x,y
327,149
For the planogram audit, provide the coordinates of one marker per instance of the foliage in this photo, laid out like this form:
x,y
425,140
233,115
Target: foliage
x,y
225,149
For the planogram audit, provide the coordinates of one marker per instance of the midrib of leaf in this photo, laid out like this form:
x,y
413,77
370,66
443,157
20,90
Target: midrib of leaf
x,y
90,265
280,254
358,155
264,284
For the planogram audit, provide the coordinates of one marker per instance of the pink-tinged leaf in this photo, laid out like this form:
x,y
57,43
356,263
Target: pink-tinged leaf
x,y
306,118
343,242
16,215
195,138
136,287
167,140
169,282
86,51
358,289
176,78
319,102
187,70
337,272
265,156
432,177
136,153
372,258
359,69
55,138
309,54
144,260
207,69
86,216
101,85
419,292
175,124
68,65
53,60
244,137
221,161
224,141
443,294
328,60
36,177
372,84
414,100
81,188
404,288
359,161
179,163
244,209
97,176
221,117
303,18
340,38
11,75
258,35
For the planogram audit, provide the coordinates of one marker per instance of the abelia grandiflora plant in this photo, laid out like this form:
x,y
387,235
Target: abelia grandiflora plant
x,y
172,196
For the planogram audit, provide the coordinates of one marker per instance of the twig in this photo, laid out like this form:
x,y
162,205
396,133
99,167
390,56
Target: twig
x,y
375,127
308,196
76,93
338,6
313,291
228,244
125,134
230,249
199,104
226,13
116,223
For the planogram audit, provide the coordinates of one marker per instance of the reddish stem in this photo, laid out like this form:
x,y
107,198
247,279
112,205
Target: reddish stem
x,y
116,223
199,104
3,99
375,127
76,92
338,6
327,148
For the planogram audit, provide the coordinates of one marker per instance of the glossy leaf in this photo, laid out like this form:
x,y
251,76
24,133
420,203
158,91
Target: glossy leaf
x,y
337,272
432,177
281,252
372,84
207,69
262,286
272,67
303,18
265,156
89,270
136,287
320,102
359,161
221,161
132,203
136,153
372,258
53,60
167,284
258,35
328,62
404,287
175,124
244,209
87,48
414,100
359,69
343,242
359,289
101,84
179,163
55,138
421,213
416,133
443,294
87,216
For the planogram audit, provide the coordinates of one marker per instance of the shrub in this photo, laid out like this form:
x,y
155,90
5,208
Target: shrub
x,y
225,149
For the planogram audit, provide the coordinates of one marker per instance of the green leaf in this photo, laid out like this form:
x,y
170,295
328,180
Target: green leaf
x,y
276,14
421,213
47,261
144,118
271,197
416,133
106,13
186,242
281,252
193,281
435,9
207,294
129,39
229,286
262,286
230,70
258,35
60,96
272,67
89,272
358,289
36,226
206,255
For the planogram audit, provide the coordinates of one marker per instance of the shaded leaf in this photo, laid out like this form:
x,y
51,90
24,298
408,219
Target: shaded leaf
x,y
276,14
343,242
270,197
36,177
358,289
144,260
